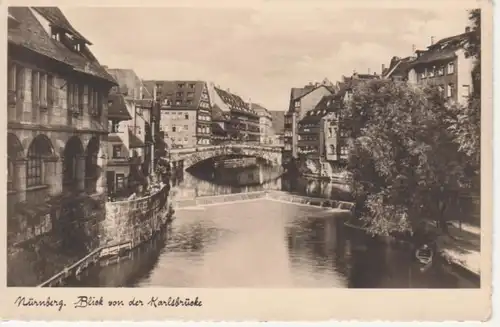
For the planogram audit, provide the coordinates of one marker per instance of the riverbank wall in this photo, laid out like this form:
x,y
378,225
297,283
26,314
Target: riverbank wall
x,y
127,224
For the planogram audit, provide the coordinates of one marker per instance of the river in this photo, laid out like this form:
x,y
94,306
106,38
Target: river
x,y
265,243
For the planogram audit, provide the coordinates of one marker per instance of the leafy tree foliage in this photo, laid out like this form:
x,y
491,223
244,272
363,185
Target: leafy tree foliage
x,y
466,124
404,163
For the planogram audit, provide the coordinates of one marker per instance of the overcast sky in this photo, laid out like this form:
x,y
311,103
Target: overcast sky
x,y
259,53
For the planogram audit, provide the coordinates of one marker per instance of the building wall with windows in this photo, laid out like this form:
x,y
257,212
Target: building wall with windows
x,y
185,112
445,64
244,121
302,100
265,124
139,102
56,116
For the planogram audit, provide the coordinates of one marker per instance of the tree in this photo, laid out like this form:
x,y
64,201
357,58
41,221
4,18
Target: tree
x,y
466,124
404,163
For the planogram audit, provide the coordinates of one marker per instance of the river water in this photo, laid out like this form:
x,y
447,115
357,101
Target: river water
x,y
265,243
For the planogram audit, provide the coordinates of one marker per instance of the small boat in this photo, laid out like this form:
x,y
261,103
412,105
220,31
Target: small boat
x,y
424,255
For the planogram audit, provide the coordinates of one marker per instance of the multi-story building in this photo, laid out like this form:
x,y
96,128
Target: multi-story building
x,y
120,141
265,124
278,127
244,121
302,100
57,119
185,113
139,103
331,141
220,125
444,63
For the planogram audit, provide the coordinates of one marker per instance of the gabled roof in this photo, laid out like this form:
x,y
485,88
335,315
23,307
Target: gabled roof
x,y
257,107
129,83
218,114
235,102
31,35
56,18
118,108
297,93
444,49
278,121
168,91
400,67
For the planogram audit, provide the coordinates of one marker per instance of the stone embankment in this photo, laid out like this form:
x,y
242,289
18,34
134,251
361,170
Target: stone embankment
x,y
127,225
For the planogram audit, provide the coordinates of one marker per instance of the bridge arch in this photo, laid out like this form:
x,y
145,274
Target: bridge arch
x,y
191,157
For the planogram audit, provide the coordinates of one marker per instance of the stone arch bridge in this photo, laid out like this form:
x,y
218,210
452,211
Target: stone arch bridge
x,y
192,156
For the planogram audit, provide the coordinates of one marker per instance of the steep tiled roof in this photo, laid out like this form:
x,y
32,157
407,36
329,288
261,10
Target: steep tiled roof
x,y
31,35
129,82
56,18
234,101
169,90
257,107
444,49
278,121
218,114
400,67
118,108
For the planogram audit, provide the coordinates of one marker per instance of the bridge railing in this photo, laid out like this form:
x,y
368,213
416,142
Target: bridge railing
x,y
220,146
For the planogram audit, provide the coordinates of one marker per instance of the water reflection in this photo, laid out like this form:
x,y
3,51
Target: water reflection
x,y
264,243
205,180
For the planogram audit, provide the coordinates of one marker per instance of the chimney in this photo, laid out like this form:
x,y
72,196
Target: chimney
x,y
154,92
467,29
228,90
413,48
432,40
369,71
104,66
383,68
250,103
141,95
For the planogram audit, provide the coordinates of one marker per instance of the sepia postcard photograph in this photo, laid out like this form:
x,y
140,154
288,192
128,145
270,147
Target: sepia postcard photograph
x,y
253,160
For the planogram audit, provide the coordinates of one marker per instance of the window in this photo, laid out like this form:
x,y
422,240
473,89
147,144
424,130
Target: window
x,y
174,128
441,89
185,139
332,148
186,127
189,102
178,102
466,90
114,126
35,88
180,85
297,104
80,89
450,90
34,166
186,116
191,86
423,74
10,174
451,68
441,71
190,94
431,72
117,151
179,94
120,181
